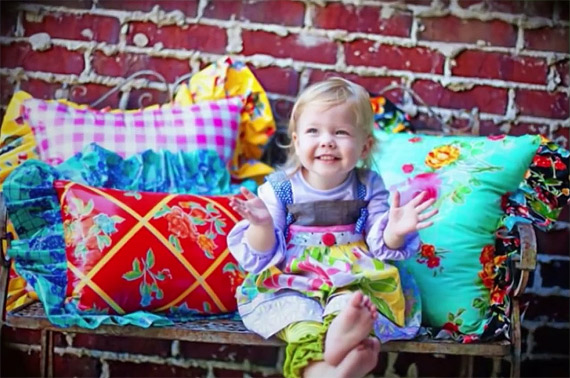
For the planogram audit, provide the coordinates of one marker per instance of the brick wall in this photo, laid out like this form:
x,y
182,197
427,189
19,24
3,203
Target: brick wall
x,y
507,59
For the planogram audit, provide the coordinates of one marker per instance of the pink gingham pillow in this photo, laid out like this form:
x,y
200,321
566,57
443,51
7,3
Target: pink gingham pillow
x,y
62,130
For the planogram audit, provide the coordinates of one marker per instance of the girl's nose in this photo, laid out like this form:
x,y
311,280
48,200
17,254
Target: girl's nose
x,y
327,142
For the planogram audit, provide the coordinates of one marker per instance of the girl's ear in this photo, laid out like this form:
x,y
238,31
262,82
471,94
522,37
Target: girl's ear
x,y
367,147
295,140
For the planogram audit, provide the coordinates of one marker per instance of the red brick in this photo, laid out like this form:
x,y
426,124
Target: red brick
x,y
125,64
365,19
555,272
417,59
132,345
188,7
487,99
281,111
553,308
145,369
278,80
56,60
372,83
453,29
508,6
489,128
281,12
549,367
71,26
266,356
543,8
9,13
17,363
73,366
195,37
542,104
6,89
21,335
522,128
40,89
563,69
427,365
547,39
548,340
564,10
143,97
429,123
300,47
488,65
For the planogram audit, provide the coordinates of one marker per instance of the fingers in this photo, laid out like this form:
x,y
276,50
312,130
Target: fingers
x,y
423,225
395,199
424,205
247,193
429,214
417,199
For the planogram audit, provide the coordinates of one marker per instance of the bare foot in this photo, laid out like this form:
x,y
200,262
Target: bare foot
x,y
357,363
361,360
352,325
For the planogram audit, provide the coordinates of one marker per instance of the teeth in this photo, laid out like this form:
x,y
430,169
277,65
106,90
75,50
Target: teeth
x,y
326,158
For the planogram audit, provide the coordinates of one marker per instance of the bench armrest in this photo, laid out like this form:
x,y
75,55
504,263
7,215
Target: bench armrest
x,y
525,262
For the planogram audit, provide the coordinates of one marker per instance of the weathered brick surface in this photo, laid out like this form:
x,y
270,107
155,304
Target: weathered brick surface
x,y
56,59
278,80
125,64
75,27
542,103
187,7
72,4
366,19
553,242
544,336
17,363
554,367
297,47
40,88
487,65
9,18
555,274
418,59
547,39
563,69
453,29
280,12
130,369
89,93
6,89
24,336
487,99
73,366
554,308
134,345
196,37
260,355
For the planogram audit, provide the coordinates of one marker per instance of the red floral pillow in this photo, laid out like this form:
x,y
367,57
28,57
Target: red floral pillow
x,y
159,252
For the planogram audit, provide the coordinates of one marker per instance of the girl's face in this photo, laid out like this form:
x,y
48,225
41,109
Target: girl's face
x,y
328,144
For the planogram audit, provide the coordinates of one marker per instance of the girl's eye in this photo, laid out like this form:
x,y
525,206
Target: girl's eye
x,y
342,132
311,131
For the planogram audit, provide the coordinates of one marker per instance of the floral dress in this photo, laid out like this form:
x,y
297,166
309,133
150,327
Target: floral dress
x,y
322,255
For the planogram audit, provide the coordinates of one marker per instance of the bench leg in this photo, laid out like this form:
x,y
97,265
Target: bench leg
x,y
466,366
46,354
516,340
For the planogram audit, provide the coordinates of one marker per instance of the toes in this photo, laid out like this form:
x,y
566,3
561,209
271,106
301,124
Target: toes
x,y
357,299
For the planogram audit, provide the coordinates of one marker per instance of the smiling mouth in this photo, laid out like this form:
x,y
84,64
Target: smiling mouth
x,y
327,158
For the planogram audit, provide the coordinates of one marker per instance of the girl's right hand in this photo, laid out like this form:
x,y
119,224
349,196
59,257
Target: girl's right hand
x,y
252,208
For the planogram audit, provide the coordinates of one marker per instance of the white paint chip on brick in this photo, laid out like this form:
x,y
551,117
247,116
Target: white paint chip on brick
x,y
140,40
40,41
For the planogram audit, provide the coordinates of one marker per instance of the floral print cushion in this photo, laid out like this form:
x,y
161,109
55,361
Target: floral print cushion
x,y
458,263
154,251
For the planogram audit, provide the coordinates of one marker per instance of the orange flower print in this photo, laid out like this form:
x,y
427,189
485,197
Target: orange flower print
x,y
206,244
431,256
498,295
442,156
179,224
487,254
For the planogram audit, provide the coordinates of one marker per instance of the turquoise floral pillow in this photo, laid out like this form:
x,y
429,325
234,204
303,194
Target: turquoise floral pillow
x,y
469,177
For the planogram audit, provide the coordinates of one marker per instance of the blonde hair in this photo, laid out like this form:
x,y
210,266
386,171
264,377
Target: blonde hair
x,y
331,92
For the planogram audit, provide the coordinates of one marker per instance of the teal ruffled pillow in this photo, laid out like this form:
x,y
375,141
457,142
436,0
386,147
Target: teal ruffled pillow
x,y
456,265
34,209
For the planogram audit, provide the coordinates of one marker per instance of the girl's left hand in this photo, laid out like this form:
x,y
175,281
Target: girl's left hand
x,y
411,217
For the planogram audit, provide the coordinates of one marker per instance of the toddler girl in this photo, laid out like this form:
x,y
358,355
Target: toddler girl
x,y
316,241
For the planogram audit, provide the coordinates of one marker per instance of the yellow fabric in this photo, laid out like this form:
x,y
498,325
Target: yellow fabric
x,y
226,79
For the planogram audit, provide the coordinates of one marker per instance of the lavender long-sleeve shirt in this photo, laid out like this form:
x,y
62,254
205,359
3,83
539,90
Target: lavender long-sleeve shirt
x,y
255,261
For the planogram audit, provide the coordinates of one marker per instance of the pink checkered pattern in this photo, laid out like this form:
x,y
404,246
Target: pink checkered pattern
x,y
61,130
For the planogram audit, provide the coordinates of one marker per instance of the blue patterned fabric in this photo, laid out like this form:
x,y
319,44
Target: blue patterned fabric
x,y
33,207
